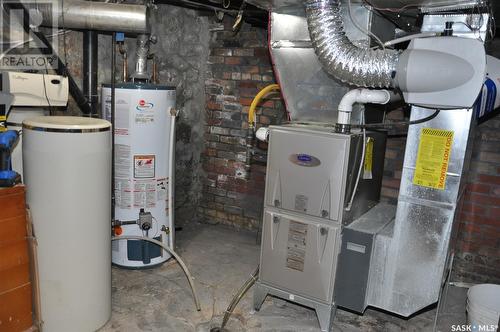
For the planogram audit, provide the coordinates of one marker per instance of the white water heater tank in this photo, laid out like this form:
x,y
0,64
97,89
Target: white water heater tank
x,y
67,170
144,154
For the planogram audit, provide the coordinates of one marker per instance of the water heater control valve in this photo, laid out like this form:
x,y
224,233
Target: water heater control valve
x,y
145,220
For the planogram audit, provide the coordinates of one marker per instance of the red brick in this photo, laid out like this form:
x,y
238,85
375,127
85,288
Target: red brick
x,y
250,69
474,209
233,60
482,199
391,183
495,213
478,188
489,179
213,105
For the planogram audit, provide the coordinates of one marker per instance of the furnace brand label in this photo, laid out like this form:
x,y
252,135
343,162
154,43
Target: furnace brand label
x,y
304,160
433,157
296,246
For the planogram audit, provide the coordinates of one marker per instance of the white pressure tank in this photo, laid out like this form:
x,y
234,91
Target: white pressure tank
x,y
143,166
67,170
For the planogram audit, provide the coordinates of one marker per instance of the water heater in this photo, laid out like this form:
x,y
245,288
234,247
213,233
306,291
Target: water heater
x,y
144,139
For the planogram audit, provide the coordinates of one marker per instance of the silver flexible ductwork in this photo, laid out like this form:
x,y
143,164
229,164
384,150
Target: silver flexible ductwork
x,y
89,15
339,56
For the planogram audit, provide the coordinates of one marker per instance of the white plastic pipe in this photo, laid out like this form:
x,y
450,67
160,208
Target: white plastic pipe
x,y
171,176
360,96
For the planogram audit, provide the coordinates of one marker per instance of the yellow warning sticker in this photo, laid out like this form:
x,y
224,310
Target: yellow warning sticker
x,y
433,157
368,163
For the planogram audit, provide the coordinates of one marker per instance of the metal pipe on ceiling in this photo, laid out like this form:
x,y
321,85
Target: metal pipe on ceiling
x,y
88,15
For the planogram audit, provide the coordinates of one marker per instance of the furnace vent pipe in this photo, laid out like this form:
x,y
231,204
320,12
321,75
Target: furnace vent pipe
x,y
339,56
89,15
359,96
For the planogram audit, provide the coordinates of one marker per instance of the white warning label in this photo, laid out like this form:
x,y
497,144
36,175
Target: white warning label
x,y
144,166
122,161
162,189
123,193
144,193
122,116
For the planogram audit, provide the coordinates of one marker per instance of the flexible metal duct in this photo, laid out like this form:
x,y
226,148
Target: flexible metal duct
x,y
89,15
342,59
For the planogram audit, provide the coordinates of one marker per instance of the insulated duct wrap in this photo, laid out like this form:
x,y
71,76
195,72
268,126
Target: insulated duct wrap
x,y
339,56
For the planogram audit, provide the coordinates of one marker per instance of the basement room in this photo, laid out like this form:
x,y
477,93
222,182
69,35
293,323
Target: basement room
x,y
249,165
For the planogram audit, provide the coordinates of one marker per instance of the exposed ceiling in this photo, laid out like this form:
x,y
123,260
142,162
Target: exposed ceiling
x,y
255,11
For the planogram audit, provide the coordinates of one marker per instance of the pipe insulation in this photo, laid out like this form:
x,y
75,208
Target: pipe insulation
x,y
339,56
89,15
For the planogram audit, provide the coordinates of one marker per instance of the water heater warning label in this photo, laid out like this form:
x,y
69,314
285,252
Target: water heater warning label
x,y
433,157
144,166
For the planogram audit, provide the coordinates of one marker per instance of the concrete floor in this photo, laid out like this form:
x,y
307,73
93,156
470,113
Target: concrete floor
x,y
221,259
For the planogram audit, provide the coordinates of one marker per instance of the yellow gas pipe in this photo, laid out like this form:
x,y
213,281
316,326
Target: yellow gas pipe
x,y
256,100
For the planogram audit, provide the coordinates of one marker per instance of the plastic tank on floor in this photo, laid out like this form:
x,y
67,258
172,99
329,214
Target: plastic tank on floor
x,y
144,153
67,170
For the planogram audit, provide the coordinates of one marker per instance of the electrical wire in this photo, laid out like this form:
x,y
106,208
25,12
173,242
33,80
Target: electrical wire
x,y
362,29
410,37
402,123
203,5
394,10
361,164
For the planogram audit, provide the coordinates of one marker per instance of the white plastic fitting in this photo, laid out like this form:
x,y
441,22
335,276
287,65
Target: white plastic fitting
x,y
262,134
361,96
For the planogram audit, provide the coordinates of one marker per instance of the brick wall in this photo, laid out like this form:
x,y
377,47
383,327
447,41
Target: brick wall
x,y
478,245
239,66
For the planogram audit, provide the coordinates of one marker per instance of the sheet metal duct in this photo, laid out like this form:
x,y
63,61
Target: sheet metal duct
x,y
88,15
310,93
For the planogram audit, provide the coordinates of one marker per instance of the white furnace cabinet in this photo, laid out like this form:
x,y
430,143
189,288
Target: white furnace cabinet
x,y
307,176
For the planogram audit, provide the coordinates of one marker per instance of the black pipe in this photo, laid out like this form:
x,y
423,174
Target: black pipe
x,y
61,69
90,70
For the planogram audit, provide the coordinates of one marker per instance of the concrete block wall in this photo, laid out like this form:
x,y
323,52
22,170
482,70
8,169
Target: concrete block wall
x,y
239,66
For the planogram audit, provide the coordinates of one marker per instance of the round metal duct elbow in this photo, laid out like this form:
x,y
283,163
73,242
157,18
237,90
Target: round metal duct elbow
x,y
339,56
89,15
